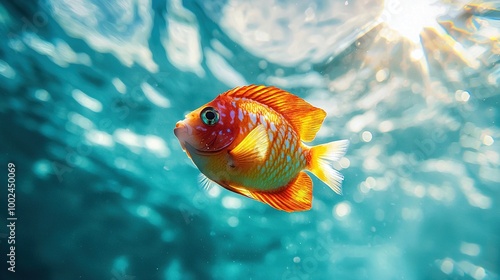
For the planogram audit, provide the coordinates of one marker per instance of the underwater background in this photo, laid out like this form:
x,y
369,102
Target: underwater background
x,y
90,92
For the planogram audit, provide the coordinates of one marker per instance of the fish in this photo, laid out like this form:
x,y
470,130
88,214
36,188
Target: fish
x,y
251,140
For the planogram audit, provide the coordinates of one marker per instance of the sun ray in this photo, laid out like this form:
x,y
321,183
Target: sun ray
x,y
455,36
408,17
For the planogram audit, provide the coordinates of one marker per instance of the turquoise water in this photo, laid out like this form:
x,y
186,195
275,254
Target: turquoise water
x,y
91,91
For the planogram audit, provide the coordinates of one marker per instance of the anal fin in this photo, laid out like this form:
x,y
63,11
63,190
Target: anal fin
x,y
296,196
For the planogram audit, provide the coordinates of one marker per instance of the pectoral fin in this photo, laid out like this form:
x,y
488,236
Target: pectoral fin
x,y
252,149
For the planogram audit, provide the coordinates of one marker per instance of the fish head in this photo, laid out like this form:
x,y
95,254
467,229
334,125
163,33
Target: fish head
x,y
208,129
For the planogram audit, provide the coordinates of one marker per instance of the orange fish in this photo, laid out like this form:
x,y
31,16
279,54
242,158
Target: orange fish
x,y
250,140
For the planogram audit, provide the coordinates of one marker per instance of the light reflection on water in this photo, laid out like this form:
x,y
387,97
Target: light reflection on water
x,y
92,91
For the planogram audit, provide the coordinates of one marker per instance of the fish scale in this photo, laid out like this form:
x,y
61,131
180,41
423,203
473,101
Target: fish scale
x,y
250,140
276,170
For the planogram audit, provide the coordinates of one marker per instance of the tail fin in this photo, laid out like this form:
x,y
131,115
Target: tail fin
x,y
320,160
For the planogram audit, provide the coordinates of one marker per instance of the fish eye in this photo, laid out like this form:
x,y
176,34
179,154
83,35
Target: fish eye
x,y
209,116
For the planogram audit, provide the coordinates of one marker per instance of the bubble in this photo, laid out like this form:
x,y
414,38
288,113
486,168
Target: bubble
x,y
381,75
419,191
233,221
214,192
342,209
462,95
296,259
42,95
366,136
42,168
447,266
120,263
364,188
470,249
143,211
262,64
488,140
344,162
326,225
370,182
357,123
386,126
479,273
230,202
279,72
371,163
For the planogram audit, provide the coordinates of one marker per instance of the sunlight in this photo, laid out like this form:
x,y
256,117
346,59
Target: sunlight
x,y
409,17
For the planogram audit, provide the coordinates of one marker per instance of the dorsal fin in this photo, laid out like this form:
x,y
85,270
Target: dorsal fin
x,y
304,118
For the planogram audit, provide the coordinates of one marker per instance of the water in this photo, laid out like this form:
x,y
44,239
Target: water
x,y
91,91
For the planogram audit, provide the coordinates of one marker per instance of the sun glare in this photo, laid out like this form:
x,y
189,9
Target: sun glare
x,y
409,17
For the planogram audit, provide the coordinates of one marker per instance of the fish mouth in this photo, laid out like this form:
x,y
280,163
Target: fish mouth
x,y
181,128
183,132
192,150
